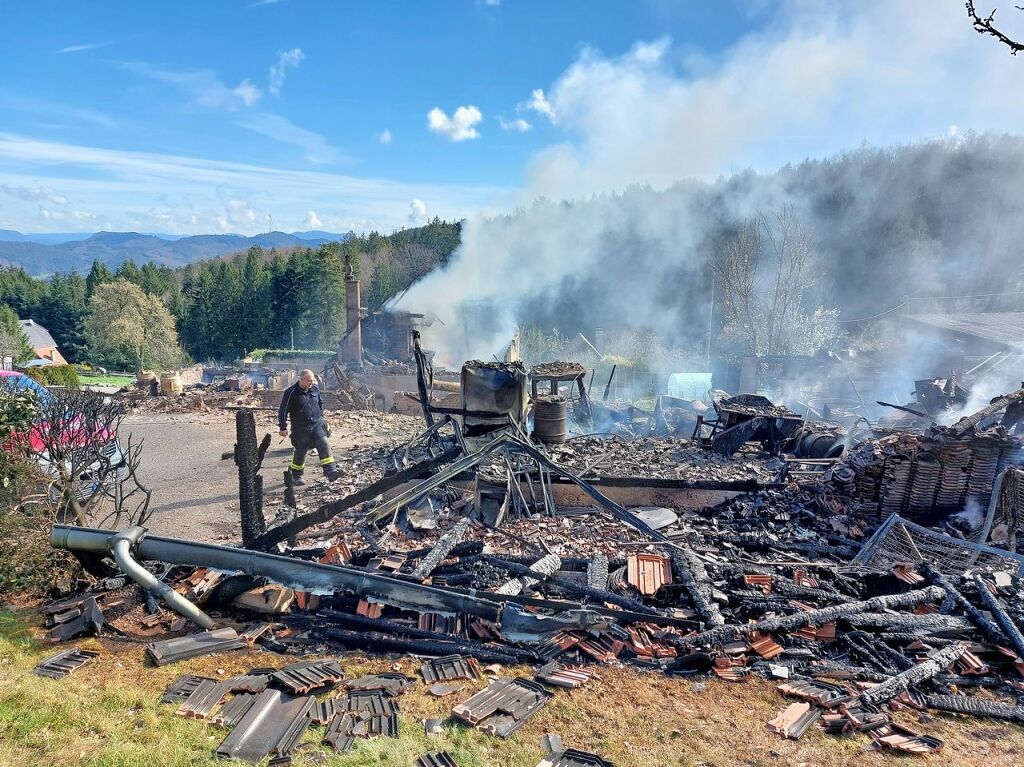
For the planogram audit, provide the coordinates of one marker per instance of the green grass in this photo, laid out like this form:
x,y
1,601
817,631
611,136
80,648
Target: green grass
x,y
108,714
107,380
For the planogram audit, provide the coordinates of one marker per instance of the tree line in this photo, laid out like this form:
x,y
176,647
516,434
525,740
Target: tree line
x,y
221,309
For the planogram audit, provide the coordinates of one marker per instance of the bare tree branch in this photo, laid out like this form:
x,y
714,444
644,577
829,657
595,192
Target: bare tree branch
x,y
93,479
985,26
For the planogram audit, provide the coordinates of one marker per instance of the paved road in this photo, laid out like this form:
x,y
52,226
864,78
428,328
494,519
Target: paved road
x,y
195,493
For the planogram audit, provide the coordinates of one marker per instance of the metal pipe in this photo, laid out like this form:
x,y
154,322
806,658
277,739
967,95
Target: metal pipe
x,y
121,546
293,573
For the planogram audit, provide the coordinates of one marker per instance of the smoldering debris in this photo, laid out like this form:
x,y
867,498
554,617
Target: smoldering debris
x,y
550,556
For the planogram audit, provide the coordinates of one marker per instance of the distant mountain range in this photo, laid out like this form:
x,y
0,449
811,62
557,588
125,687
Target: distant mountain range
x,y
46,253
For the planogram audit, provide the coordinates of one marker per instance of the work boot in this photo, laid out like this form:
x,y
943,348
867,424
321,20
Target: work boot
x,y
297,480
333,474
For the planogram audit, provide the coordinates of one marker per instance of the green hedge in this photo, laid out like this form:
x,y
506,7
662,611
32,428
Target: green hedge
x,y
257,355
55,375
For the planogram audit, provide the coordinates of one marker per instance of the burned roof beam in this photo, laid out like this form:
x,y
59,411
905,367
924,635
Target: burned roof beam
x,y
966,423
1002,617
992,631
577,589
817,617
510,443
937,662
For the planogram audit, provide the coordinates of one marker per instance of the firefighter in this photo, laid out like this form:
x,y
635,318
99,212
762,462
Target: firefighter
x,y
303,404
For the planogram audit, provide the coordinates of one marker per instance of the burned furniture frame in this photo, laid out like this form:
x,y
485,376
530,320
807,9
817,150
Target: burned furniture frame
x,y
747,418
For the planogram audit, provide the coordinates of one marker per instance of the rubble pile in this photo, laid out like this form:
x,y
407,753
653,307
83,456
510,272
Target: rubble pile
x,y
455,548
667,458
200,398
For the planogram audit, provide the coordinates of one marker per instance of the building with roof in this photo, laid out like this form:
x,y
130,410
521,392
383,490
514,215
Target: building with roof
x,y
42,343
972,339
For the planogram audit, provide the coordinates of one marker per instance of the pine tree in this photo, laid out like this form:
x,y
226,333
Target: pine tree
x,y
62,311
228,342
255,301
13,342
324,298
129,271
98,275
199,327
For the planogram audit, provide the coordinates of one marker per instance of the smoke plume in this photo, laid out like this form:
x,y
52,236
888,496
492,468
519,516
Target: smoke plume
x,y
620,218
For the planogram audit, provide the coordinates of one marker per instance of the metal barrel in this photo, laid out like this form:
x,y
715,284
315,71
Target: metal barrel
x,y
549,419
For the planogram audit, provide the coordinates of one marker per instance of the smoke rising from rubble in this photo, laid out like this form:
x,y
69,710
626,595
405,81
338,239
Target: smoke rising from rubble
x,y
632,247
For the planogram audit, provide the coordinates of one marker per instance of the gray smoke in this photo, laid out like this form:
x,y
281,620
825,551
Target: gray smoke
x,y
615,239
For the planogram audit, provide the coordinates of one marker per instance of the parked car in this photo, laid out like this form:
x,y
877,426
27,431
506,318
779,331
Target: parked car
x,y
76,440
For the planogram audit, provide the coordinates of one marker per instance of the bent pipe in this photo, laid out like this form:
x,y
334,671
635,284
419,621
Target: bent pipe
x,y
121,546
293,573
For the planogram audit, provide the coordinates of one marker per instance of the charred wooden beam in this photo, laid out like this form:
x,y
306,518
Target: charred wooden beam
x,y
817,617
440,552
250,485
1002,617
992,632
937,662
967,423
972,706
569,587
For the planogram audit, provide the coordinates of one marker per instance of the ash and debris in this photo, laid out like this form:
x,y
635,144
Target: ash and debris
x,y
770,565
668,458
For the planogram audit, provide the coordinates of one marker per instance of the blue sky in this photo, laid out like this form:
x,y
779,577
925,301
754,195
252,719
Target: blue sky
x,y
191,117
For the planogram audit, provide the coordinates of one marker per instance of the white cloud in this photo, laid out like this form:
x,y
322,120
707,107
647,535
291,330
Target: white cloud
x,y
539,103
82,47
34,194
56,109
203,86
315,147
385,136
145,191
312,221
285,60
417,212
65,217
247,92
458,127
649,53
519,124
238,215
492,2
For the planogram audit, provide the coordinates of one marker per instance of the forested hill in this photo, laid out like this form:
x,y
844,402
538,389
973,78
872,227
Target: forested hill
x,y
256,298
42,257
265,299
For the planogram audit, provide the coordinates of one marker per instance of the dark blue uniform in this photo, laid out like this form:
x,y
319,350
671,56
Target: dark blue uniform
x,y
305,408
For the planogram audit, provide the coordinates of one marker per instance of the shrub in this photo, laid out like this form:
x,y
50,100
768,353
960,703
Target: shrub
x,y
55,375
30,567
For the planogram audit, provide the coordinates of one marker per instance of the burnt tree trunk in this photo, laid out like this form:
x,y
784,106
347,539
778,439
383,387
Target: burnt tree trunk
x,y
250,484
